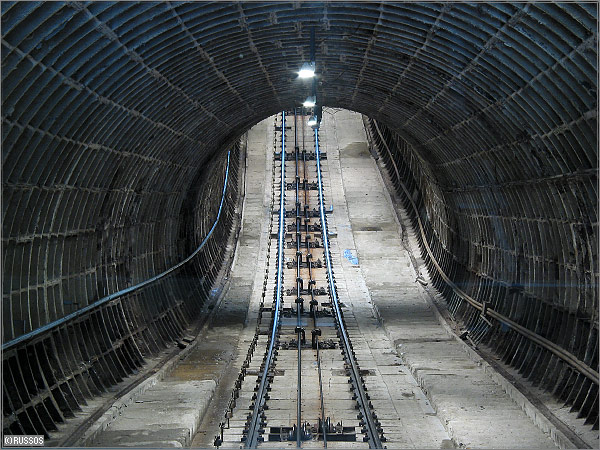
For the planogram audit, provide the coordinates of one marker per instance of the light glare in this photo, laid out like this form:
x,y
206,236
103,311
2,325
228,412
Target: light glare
x,y
307,71
309,102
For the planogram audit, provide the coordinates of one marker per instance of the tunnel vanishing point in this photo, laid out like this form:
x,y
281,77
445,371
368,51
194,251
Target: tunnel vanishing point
x,y
126,157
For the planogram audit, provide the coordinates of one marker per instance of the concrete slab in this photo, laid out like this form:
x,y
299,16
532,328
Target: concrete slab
x,y
166,415
170,438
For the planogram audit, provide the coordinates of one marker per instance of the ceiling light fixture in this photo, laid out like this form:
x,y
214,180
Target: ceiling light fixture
x,y
307,70
310,102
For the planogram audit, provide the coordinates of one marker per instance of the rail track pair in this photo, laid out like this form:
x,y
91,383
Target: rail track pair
x,y
305,330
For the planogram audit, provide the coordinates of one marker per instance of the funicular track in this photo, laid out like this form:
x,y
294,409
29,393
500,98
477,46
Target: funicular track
x,y
308,391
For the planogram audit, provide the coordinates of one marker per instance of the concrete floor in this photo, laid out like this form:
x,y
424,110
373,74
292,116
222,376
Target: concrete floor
x,y
475,411
427,391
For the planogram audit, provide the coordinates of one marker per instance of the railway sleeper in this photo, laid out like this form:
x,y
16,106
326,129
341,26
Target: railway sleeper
x,y
304,244
291,156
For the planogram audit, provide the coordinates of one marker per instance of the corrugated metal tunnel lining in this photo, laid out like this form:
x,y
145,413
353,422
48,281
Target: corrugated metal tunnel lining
x,y
112,111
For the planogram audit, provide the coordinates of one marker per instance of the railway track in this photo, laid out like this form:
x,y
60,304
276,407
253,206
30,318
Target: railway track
x,y
300,384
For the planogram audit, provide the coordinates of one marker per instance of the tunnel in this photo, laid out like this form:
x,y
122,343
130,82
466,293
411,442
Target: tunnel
x,y
124,142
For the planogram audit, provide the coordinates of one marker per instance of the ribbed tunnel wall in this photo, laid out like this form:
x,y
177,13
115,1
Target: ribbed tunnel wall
x,y
530,288
111,112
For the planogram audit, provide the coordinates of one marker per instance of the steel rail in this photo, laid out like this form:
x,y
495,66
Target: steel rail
x,y
561,353
323,426
298,289
253,429
125,291
373,435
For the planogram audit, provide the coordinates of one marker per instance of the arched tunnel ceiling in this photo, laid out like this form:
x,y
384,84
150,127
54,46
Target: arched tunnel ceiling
x,y
111,110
